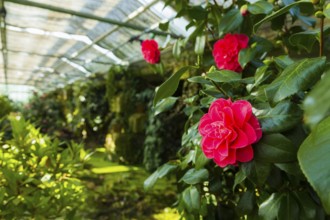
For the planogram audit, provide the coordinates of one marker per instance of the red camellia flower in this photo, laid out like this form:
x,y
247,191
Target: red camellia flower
x,y
228,130
225,51
150,51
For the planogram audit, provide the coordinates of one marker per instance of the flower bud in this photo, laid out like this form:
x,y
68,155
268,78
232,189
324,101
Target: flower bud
x,y
244,10
319,14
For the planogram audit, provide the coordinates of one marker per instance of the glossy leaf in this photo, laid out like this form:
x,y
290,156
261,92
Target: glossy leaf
x,y
295,12
256,171
163,26
159,173
269,208
288,208
283,61
278,13
193,176
192,199
316,104
165,105
308,206
296,77
246,203
304,40
177,48
290,168
199,79
200,44
282,117
313,157
224,76
246,55
261,75
230,21
275,148
201,160
197,13
239,178
169,87
260,7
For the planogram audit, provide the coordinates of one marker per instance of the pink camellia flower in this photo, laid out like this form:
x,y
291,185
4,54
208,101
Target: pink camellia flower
x,y
228,130
150,51
225,51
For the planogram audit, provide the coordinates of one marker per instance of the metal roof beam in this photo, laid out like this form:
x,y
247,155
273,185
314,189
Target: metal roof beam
x,y
58,56
88,16
3,35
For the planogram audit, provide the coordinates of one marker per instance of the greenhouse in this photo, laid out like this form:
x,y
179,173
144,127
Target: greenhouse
x,y
165,110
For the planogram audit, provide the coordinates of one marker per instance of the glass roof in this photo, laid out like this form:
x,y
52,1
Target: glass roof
x,y
46,44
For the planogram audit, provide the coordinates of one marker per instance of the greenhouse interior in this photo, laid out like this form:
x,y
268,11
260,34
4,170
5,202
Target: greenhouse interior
x,y
165,110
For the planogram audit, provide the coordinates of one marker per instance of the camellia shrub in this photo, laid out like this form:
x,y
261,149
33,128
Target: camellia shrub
x,y
256,144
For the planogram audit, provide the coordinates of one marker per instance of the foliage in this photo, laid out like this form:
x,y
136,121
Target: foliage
x,y
285,78
163,133
39,177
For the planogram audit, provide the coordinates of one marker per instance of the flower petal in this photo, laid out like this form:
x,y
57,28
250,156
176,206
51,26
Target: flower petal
x,y
242,112
225,161
244,154
255,124
210,143
241,141
250,132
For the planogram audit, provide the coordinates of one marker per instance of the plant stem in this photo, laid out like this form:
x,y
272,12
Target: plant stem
x,y
321,36
220,89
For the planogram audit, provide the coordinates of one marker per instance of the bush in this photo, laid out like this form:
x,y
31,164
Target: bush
x,y
276,78
39,177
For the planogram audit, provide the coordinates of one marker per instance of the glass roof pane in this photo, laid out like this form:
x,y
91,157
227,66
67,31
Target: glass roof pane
x,y
51,48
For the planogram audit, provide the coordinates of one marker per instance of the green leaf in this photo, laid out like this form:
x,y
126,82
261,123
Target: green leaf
x,y
197,13
193,176
289,208
159,173
260,7
246,203
197,32
201,160
224,76
269,208
239,178
284,116
246,55
304,40
163,26
316,104
256,171
230,21
192,199
200,44
296,77
278,13
165,104
283,61
261,75
313,157
177,48
308,206
169,87
290,168
199,79
275,148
